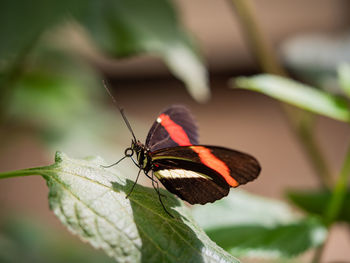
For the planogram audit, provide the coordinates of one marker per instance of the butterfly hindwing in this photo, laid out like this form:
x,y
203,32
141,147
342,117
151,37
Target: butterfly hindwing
x,y
201,174
192,187
175,126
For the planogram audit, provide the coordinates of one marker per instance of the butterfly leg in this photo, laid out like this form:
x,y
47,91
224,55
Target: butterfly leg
x,y
156,188
132,188
155,182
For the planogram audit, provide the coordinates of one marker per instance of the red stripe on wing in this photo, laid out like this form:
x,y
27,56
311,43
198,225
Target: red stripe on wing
x,y
179,136
210,160
176,132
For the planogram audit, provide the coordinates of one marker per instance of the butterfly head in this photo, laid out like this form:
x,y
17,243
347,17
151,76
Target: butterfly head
x,y
142,154
136,146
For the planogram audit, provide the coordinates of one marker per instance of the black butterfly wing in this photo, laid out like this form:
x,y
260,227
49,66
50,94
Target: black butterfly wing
x,y
201,174
175,126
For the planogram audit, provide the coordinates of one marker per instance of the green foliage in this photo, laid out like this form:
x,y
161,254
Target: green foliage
x,y
287,240
240,207
344,78
118,28
49,91
91,202
314,57
258,227
313,202
50,100
297,94
22,23
29,240
127,27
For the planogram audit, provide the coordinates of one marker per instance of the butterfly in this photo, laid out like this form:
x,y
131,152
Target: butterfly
x,y
195,173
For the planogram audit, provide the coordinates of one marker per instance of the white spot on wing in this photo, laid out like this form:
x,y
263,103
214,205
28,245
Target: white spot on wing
x,y
159,120
179,173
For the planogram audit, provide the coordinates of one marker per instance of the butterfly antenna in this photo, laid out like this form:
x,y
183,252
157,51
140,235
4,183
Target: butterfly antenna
x,y
120,109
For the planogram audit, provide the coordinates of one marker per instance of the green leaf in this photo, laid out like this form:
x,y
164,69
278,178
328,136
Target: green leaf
x,y
22,23
344,78
53,96
297,94
279,241
250,226
188,67
240,207
91,202
118,27
315,57
128,27
50,98
313,202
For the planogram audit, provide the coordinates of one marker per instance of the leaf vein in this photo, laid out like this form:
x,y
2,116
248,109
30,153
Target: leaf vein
x,y
95,212
166,220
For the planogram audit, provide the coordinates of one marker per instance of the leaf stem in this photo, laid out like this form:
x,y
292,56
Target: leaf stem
x,y
336,201
302,124
23,172
339,191
318,253
269,63
317,159
261,48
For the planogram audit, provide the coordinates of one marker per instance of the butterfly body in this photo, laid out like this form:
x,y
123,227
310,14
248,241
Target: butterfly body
x,y
196,173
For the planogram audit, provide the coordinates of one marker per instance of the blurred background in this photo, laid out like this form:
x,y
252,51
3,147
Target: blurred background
x,y
59,103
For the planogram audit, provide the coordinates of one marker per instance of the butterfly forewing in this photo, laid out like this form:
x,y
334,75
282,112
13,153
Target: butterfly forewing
x,y
201,174
174,127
